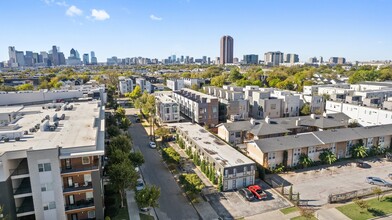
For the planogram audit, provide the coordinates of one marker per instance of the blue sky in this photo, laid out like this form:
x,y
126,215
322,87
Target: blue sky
x,y
356,29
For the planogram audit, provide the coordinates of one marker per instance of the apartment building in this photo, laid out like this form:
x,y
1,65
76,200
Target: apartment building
x,y
51,161
199,107
45,96
125,85
237,171
291,103
167,109
240,132
175,84
271,152
314,89
144,85
232,105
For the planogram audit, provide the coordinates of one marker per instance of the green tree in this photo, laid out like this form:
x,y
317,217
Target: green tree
x,y
327,157
218,81
305,110
121,142
122,175
118,156
125,123
148,197
120,113
113,131
358,151
24,87
305,161
135,94
377,191
191,183
171,155
291,193
136,158
163,133
234,75
220,183
362,204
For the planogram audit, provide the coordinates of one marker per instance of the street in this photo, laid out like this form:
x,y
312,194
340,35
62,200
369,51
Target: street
x,y
172,204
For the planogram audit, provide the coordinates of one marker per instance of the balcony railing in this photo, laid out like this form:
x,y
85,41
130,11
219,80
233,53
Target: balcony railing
x,y
80,204
78,187
27,206
23,188
79,169
22,169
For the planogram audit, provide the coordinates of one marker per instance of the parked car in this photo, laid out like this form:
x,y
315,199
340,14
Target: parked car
x,y
139,184
137,120
247,194
153,145
378,181
145,209
257,192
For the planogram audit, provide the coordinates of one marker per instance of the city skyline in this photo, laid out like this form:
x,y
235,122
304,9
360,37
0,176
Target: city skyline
x,y
153,30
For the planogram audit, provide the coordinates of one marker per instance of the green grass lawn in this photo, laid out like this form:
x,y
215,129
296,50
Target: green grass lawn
x,y
303,218
146,217
289,210
376,208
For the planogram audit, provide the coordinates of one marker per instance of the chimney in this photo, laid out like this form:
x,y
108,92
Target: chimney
x,y
312,116
298,122
267,119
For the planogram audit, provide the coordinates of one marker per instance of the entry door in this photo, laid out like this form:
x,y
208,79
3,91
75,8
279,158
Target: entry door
x,y
70,181
74,216
71,199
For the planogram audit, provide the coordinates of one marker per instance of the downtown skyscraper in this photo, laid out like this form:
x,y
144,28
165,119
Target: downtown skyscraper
x,y
226,49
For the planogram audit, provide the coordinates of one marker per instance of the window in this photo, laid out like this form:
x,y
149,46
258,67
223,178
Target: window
x,y
226,173
89,195
85,160
244,182
50,205
87,177
234,172
91,214
273,106
214,109
44,167
238,134
46,187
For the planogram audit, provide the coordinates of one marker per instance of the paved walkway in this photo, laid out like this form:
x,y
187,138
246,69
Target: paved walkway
x,y
133,210
275,215
330,214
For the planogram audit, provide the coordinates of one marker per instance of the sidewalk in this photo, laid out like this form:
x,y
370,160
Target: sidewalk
x,y
203,207
133,210
330,214
275,215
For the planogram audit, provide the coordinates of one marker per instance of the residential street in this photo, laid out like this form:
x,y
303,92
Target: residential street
x,y
172,204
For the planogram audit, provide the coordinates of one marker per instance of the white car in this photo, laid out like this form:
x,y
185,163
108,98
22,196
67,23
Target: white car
x,y
153,145
139,185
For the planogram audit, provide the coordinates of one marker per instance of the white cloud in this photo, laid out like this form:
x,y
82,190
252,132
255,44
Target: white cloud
x,y
63,3
99,15
155,18
73,11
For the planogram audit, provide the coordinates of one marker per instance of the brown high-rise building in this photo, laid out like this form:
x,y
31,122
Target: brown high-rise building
x,y
226,49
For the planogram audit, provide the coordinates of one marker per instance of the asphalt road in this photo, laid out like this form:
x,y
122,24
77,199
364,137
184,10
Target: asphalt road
x,y
172,204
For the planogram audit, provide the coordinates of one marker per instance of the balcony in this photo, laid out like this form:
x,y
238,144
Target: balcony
x,y
24,189
26,208
79,169
81,204
21,171
78,187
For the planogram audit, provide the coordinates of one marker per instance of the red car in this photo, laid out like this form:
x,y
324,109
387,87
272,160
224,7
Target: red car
x,y
258,192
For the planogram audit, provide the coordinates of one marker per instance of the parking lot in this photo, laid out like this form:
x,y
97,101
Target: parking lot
x,y
231,205
316,184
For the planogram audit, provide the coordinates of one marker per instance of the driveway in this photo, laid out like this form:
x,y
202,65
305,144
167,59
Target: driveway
x,y
315,185
172,204
231,205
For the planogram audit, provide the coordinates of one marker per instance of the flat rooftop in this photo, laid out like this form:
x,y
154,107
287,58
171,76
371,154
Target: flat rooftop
x,y
9,109
183,92
78,129
164,98
223,153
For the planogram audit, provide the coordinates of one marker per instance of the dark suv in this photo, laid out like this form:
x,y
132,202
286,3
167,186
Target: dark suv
x,y
247,194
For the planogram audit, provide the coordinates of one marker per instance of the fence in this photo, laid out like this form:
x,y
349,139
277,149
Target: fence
x,y
285,191
342,197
